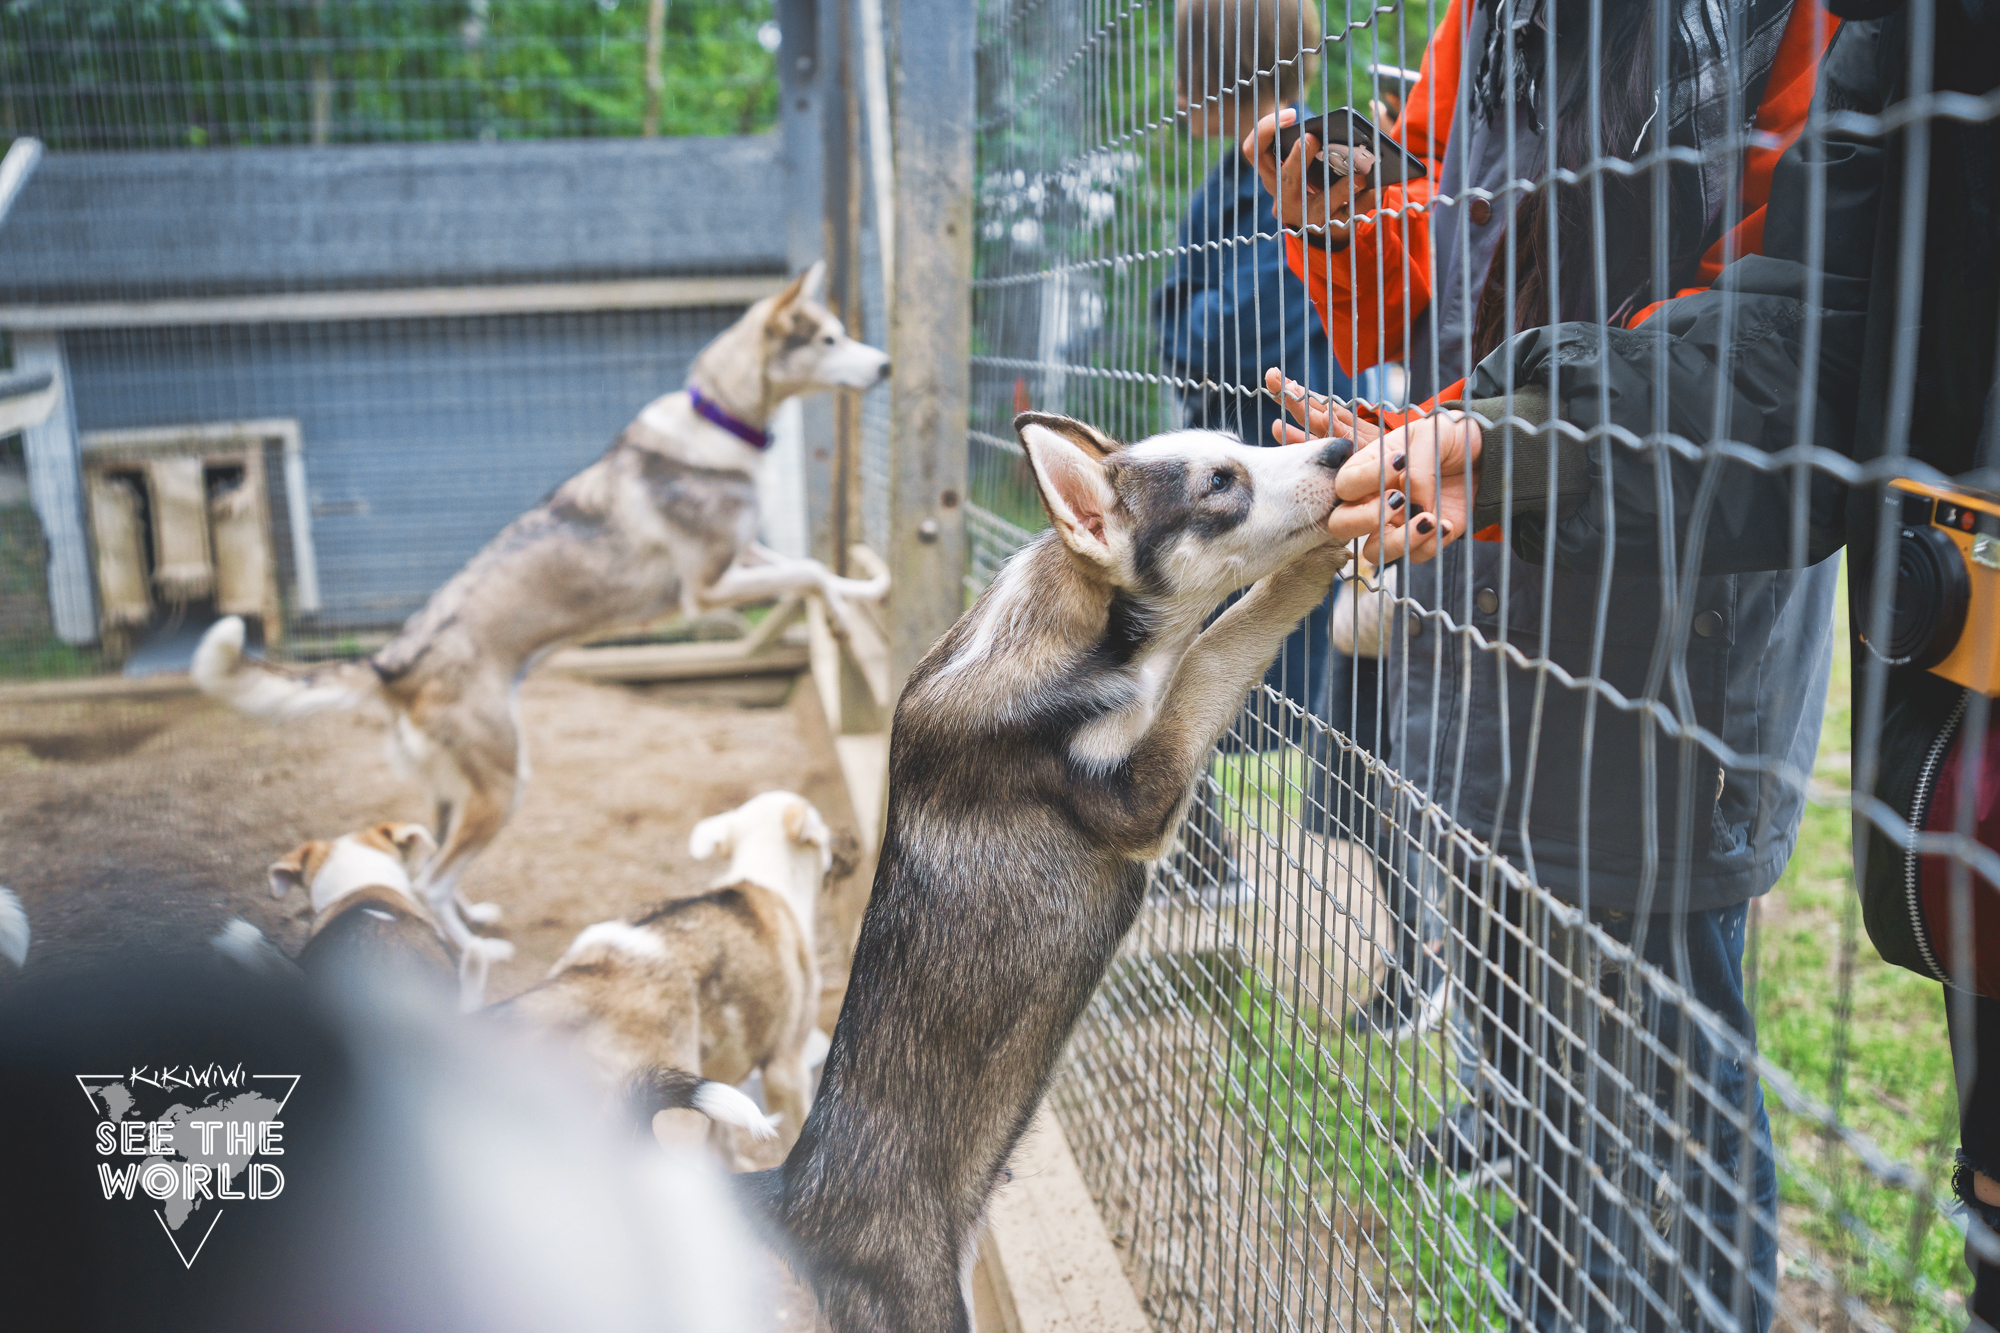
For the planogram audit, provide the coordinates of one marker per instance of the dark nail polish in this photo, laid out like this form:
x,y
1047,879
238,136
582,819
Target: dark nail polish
x,y
1395,499
1424,525
1396,463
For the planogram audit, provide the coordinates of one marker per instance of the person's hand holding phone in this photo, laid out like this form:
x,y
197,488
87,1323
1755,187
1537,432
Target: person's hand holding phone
x,y
1306,194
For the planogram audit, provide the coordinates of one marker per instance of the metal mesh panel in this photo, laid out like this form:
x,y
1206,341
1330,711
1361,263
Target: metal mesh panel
x,y
220,73
1445,1010
424,333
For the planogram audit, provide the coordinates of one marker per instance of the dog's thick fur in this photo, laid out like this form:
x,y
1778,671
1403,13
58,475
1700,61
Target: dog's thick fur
x,y
1041,753
724,983
377,928
666,518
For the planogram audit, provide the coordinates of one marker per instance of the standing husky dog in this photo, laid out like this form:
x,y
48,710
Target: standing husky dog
x,y
725,983
1042,752
666,518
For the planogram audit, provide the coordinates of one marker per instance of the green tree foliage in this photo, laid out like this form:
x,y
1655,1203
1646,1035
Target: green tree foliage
x,y
188,73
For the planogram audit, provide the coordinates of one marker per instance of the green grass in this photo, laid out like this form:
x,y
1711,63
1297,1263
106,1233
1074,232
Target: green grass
x,y
1884,1063
45,657
1881,1058
1337,1115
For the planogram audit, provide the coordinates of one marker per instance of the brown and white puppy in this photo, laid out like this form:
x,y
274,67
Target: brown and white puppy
x,y
367,914
666,519
724,983
1041,754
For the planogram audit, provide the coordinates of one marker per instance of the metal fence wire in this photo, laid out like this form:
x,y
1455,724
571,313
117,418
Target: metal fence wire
x,y
1508,970
382,275
1445,1012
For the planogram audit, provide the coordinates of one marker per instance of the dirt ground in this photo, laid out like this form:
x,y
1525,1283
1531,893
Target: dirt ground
x,y
149,821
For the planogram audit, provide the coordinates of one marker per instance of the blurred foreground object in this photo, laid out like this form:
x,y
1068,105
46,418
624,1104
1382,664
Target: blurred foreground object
x,y
419,1173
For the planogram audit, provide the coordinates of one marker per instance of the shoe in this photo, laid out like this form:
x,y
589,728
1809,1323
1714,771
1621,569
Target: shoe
x,y
1465,1143
1411,999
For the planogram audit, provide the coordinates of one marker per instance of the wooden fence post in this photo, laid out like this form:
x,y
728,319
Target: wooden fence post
x,y
930,326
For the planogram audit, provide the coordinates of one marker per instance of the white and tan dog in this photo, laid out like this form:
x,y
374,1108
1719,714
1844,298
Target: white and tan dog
x,y
367,911
666,519
726,982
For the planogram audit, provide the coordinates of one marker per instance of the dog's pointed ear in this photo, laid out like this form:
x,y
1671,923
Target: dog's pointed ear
x,y
805,287
711,836
815,282
290,872
1074,483
1079,433
414,841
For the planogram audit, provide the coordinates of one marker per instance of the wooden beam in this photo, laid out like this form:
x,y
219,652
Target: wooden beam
x,y
406,303
1051,1264
679,661
930,339
164,685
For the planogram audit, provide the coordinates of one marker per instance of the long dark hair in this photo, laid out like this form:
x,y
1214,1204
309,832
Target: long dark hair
x,y
1626,102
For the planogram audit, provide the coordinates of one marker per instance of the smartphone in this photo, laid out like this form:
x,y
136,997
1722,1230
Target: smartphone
x,y
1383,161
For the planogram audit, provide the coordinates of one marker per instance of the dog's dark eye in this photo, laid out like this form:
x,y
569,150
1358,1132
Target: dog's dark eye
x,y
1220,480
828,340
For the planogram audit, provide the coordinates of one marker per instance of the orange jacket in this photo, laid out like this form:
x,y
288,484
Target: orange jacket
x,y
1369,293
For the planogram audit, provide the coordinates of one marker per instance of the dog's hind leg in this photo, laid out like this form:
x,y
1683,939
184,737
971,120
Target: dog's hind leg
x,y
477,819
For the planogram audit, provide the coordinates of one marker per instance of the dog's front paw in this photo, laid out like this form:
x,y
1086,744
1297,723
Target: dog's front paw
x,y
1330,559
1298,587
484,914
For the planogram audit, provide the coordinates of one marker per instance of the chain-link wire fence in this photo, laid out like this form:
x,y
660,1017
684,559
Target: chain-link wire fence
x,y
233,73
1462,1000
1508,969
326,304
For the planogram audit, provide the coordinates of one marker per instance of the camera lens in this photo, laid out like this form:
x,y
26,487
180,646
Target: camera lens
x,y
1932,594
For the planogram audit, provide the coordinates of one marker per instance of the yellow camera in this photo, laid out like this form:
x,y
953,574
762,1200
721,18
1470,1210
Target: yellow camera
x,y
1947,610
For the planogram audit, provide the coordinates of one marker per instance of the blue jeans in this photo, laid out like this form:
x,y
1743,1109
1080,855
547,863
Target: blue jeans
x,y
1636,1138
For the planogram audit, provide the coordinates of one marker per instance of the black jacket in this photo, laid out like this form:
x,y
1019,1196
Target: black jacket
x,y
1899,350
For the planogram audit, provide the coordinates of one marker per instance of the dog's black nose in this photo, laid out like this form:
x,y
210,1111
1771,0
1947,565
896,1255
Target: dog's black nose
x,y
885,370
1336,453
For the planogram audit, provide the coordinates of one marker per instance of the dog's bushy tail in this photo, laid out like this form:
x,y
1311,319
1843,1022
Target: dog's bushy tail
x,y
249,948
14,932
662,1089
262,690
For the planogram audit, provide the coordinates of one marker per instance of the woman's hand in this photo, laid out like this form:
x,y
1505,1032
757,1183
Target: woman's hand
x,y
1433,461
1308,199
1319,417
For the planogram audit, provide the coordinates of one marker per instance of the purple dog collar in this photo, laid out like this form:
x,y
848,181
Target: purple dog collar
x,y
743,431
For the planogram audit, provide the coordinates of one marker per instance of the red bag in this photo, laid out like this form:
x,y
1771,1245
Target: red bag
x,y
1930,874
